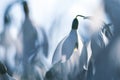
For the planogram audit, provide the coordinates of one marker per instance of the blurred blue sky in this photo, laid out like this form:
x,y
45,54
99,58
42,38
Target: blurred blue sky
x,y
44,11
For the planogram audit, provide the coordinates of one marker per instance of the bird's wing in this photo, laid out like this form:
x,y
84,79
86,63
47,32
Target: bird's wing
x,y
69,44
58,53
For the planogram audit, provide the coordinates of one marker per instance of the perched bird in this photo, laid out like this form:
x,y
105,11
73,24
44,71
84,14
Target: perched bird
x,y
66,46
70,57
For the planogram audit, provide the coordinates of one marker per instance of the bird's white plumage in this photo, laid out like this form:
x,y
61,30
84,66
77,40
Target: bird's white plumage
x,y
66,47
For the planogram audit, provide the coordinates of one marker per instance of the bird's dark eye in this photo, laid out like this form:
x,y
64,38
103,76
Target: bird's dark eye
x,y
25,7
75,24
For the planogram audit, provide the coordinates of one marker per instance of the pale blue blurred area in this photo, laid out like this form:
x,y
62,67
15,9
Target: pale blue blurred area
x,y
44,13
56,16
15,11
53,19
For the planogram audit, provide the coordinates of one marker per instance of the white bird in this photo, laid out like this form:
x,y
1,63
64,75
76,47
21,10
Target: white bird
x,y
66,46
70,59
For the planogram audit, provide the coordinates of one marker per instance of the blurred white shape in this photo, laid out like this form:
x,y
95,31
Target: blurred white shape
x,y
11,52
89,53
58,52
68,44
17,18
3,5
14,33
66,47
105,39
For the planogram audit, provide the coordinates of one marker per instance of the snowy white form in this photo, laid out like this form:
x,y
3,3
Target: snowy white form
x,y
71,56
66,47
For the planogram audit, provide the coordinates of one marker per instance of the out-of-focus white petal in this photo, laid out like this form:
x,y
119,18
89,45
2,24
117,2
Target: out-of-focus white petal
x,y
69,44
58,52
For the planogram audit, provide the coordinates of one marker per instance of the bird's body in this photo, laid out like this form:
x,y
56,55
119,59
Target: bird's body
x,y
71,57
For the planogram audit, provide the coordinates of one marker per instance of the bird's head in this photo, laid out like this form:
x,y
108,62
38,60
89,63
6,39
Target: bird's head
x,y
75,22
25,8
